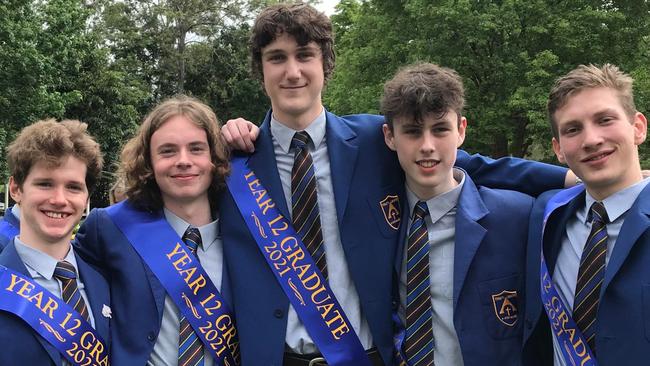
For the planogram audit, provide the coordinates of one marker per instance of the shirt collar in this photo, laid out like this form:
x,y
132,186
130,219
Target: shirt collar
x,y
209,232
40,264
441,204
618,203
283,134
15,209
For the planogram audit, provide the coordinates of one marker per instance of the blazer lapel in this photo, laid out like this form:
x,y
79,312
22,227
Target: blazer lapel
x,y
636,223
403,233
555,229
11,260
263,163
469,233
98,295
342,150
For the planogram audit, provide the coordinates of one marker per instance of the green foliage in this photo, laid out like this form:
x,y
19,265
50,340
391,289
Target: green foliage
x,y
508,52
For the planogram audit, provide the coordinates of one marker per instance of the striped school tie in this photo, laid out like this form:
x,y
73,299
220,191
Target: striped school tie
x,y
418,342
190,348
67,274
304,199
591,274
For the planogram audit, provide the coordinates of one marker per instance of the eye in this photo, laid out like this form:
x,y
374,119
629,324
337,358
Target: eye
x,y
166,151
440,130
76,187
197,149
305,55
411,131
570,130
606,119
43,184
276,58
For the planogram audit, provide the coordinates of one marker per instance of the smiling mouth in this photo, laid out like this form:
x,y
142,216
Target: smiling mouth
x,y
55,215
427,163
597,156
293,87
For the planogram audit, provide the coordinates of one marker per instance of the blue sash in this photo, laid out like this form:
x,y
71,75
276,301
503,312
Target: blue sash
x,y
7,230
52,318
183,277
575,349
295,270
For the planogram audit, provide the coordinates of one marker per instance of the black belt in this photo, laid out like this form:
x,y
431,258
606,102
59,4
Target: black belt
x,y
316,359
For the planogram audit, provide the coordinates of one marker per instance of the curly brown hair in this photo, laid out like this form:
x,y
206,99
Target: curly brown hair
x,y
421,89
135,163
51,142
300,21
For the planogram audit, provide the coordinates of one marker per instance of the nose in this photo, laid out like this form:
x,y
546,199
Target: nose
x,y
427,144
292,68
58,196
592,137
183,158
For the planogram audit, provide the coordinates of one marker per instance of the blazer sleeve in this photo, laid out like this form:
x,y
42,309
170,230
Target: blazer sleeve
x,y
526,176
87,242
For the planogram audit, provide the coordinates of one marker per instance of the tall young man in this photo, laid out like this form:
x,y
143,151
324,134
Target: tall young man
x,y
52,301
593,239
460,268
161,248
353,205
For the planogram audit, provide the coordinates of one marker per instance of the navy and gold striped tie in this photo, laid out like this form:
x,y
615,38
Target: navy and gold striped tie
x,y
190,348
304,201
418,342
67,274
591,274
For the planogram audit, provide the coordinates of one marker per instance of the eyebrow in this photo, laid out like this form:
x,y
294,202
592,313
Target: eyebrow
x,y
306,47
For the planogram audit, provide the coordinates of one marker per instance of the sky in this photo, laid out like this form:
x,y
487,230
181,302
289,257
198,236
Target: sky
x,y
327,6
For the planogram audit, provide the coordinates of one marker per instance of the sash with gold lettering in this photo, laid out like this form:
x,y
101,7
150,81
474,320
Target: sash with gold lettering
x,y
295,270
183,277
575,349
52,318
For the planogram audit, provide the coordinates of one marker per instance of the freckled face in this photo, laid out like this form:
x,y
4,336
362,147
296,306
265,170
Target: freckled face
x,y
52,200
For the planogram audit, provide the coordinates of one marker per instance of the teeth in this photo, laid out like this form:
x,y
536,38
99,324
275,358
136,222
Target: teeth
x,y
54,215
597,157
427,163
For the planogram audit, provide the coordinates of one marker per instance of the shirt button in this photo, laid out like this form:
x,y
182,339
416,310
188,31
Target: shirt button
x,y
278,313
394,305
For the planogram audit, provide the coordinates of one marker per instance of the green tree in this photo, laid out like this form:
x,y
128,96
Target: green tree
x,y
507,51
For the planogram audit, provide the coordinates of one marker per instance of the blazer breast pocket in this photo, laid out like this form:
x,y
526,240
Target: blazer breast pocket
x,y
386,208
501,301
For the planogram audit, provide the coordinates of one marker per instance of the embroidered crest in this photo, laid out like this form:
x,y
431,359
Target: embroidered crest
x,y
505,307
390,208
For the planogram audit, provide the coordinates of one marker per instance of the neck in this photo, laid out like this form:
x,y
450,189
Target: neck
x,y
298,122
196,213
57,250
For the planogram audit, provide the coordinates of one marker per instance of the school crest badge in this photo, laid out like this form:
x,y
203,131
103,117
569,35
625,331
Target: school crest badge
x,y
505,307
390,208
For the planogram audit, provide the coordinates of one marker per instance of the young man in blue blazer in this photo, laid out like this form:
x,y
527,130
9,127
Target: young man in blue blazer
x,y
461,259
54,167
595,241
358,182
173,170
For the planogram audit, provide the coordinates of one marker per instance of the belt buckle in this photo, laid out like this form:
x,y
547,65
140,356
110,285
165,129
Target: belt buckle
x,y
318,361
